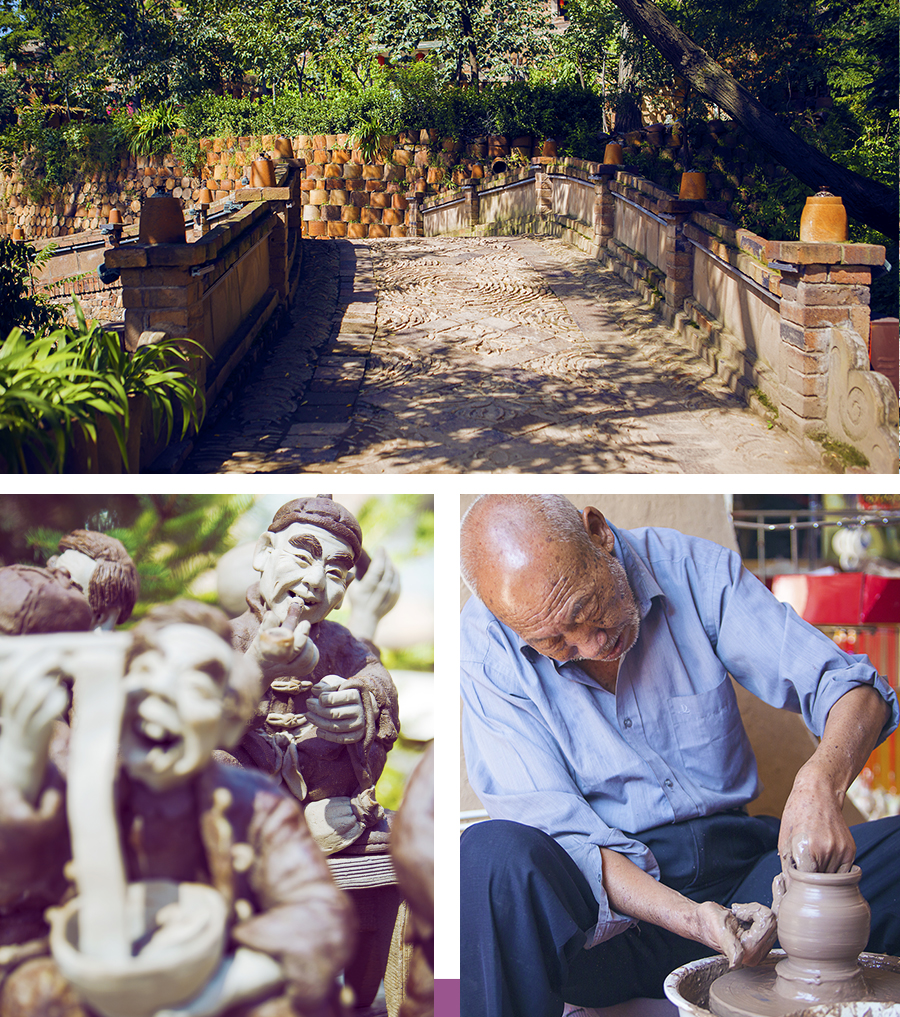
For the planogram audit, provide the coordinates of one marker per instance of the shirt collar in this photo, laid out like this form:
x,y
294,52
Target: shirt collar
x,y
643,585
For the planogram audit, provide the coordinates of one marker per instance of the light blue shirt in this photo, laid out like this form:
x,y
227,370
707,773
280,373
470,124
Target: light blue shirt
x,y
546,746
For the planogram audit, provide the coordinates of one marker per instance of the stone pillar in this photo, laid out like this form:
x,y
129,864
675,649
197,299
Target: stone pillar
x,y
604,207
822,286
159,293
470,198
543,187
415,221
678,259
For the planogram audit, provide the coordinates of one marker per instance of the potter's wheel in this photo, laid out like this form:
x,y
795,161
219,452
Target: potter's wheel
x,y
751,992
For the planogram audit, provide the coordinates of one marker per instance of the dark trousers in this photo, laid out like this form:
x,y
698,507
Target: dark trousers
x,y
526,908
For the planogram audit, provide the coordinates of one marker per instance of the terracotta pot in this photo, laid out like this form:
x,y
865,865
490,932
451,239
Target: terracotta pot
x,y
613,155
264,169
884,352
823,220
823,925
497,146
549,149
478,150
693,187
284,148
499,166
162,221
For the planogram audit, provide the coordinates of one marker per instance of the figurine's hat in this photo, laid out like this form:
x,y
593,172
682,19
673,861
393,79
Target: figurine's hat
x,y
322,511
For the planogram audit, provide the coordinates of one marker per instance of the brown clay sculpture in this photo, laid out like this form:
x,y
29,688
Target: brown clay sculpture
x,y
199,888
329,713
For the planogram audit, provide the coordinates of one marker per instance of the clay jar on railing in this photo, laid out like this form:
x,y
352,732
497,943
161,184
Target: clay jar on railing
x,y
613,155
162,219
823,220
823,924
262,172
693,186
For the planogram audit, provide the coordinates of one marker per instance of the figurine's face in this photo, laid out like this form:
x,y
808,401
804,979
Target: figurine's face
x,y
81,567
173,715
304,562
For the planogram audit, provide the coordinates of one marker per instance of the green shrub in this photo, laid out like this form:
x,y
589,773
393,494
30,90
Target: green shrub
x,y
20,306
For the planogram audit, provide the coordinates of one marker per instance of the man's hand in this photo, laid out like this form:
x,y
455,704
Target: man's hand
x,y
337,711
333,823
744,934
278,645
814,836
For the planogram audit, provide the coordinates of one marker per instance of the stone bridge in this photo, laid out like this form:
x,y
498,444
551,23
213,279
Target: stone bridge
x,y
565,317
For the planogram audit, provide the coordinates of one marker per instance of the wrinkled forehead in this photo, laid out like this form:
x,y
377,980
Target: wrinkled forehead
x,y
315,540
188,647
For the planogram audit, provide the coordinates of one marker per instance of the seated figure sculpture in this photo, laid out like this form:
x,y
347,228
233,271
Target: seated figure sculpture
x,y
92,583
180,816
330,715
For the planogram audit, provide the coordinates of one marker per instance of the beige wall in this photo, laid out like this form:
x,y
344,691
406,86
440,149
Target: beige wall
x,y
574,199
780,740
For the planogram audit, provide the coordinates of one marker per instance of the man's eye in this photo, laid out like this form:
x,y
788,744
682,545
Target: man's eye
x,y
338,574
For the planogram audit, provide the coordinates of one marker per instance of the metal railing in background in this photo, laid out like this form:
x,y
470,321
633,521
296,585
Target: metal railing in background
x,y
799,521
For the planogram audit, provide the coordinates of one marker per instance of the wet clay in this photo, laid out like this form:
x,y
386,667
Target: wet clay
x,y
823,924
751,992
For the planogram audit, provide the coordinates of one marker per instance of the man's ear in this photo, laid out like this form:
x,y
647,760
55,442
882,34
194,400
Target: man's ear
x,y
262,551
598,529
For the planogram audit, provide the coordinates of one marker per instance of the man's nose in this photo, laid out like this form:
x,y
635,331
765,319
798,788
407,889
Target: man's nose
x,y
591,642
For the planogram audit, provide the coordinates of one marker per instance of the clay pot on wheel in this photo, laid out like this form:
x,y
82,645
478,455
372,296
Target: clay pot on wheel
x,y
823,925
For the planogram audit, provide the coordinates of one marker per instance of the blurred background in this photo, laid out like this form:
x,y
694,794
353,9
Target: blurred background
x,y
201,546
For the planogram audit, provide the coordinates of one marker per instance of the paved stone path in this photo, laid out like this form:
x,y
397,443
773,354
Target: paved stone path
x,y
452,355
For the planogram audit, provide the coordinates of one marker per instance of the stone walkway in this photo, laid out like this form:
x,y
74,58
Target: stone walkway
x,y
454,355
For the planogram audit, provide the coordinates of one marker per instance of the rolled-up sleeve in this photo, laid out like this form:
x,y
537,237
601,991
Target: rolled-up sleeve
x,y
518,772
776,655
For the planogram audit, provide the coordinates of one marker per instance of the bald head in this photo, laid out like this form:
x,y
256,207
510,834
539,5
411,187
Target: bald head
x,y
549,572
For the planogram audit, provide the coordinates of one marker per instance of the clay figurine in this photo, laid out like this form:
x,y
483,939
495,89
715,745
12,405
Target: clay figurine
x,y
92,583
329,716
200,890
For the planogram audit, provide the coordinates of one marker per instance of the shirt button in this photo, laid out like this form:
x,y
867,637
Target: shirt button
x,y
669,783
626,722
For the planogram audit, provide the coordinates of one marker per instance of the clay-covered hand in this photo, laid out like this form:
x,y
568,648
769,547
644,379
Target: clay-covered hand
x,y
374,595
336,710
745,933
814,836
278,645
333,823
31,700
244,975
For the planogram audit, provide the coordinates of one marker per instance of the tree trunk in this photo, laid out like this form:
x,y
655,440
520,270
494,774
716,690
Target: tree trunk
x,y
870,202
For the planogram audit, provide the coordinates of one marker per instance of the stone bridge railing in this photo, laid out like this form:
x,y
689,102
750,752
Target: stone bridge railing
x,y
219,289
784,324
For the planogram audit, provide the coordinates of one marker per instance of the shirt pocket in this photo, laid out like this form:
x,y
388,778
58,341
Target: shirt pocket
x,y
710,740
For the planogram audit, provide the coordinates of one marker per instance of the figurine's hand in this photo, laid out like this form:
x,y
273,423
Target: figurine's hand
x,y
745,933
333,823
374,595
32,699
336,711
278,644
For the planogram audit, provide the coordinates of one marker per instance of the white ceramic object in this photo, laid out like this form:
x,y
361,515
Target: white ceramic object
x,y
185,938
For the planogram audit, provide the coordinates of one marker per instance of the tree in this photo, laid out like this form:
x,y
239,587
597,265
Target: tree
x,y
871,202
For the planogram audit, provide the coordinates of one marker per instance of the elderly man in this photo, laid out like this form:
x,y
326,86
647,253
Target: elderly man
x,y
601,730
92,583
330,716
182,816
